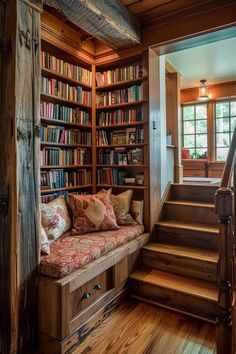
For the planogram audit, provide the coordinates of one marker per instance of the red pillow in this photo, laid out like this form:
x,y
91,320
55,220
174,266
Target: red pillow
x,y
92,213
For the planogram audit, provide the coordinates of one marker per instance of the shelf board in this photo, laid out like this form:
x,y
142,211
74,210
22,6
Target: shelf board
x,y
64,123
63,100
123,166
121,186
52,190
121,125
58,167
50,73
121,83
46,143
121,105
130,146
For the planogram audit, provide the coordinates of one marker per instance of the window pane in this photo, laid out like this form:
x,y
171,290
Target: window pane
x,y
192,153
201,126
201,153
222,109
189,127
221,153
233,108
201,140
222,139
188,113
233,123
189,141
201,111
222,125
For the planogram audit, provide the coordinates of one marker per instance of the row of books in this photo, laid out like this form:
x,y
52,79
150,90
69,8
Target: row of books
x,y
45,198
66,114
120,157
61,67
63,136
59,157
111,176
61,90
120,136
120,116
119,74
130,94
61,178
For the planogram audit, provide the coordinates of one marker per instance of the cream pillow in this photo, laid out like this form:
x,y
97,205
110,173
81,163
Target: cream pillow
x,y
45,244
136,209
121,203
55,218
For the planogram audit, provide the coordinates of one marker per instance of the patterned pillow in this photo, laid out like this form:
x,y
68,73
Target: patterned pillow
x,y
121,203
45,244
92,213
55,218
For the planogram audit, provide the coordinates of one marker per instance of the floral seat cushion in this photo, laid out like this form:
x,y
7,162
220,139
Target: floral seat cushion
x,y
69,253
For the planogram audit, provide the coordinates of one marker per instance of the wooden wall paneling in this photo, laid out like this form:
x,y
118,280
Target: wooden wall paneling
x,y
215,169
20,74
211,133
94,150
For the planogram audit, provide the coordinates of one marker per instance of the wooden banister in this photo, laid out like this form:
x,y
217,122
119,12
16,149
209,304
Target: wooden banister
x,y
225,209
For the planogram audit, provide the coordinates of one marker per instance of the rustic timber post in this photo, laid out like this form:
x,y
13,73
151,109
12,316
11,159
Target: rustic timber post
x,y
19,172
224,329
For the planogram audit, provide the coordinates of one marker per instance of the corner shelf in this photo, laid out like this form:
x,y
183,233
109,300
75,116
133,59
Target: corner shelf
x,y
64,123
127,146
117,186
52,98
72,188
47,143
121,125
121,105
60,167
121,84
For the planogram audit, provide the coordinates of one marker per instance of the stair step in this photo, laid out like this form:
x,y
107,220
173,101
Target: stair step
x,y
190,211
189,226
197,192
195,297
188,261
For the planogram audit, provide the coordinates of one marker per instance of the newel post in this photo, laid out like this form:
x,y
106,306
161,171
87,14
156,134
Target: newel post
x,y
224,328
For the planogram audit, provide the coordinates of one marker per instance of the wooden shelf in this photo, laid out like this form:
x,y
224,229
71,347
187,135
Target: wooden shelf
x,y
49,73
121,105
121,83
121,125
64,123
52,98
121,186
123,166
49,167
46,143
129,146
52,190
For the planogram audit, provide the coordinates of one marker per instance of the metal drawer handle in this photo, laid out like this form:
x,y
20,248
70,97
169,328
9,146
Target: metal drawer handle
x,y
87,295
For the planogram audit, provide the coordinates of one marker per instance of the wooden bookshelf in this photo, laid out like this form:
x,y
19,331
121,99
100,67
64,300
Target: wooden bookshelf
x,y
72,188
48,143
117,186
123,166
64,101
126,146
121,84
121,125
58,167
122,105
59,122
52,74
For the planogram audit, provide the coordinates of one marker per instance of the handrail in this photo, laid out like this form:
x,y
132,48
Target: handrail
x,y
227,173
225,203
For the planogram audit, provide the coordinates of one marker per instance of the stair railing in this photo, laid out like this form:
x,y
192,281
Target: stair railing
x,y
225,209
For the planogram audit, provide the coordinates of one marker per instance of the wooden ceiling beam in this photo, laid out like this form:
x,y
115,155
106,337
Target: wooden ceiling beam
x,y
108,21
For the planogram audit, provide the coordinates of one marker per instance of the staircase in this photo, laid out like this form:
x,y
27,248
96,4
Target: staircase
x,y
178,268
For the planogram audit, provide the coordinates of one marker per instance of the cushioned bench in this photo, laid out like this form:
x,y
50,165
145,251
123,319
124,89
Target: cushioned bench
x,y
69,253
81,281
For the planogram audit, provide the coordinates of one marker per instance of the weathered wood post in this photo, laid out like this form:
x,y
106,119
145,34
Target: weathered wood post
x,y
224,328
19,172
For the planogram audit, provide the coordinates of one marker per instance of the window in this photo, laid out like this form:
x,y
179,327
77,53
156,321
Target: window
x,y
225,114
195,130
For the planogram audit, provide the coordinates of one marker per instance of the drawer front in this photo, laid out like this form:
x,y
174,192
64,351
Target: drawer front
x,y
81,298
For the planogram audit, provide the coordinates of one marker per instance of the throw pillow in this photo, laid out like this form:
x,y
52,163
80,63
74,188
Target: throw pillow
x,y
92,212
55,218
45,244
136,209
121,203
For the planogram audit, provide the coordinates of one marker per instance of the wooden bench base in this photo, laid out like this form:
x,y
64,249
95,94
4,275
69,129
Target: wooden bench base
x,y
71,307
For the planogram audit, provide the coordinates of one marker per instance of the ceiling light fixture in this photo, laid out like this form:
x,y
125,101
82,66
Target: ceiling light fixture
x,y
203,91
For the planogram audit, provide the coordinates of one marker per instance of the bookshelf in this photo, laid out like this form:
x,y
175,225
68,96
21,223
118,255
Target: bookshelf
x,y
122,128
66,123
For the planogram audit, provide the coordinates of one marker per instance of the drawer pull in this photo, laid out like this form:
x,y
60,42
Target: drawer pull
x,y
87,295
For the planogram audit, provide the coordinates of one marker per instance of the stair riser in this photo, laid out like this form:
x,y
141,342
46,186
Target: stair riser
x,y
194,306
190,214
186,238
194,192
180,265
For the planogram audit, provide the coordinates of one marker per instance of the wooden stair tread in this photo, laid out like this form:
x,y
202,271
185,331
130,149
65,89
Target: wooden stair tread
x,y
184,251
190,203
189,226
193,287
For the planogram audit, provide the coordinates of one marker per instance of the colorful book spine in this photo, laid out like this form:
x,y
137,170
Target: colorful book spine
x,y
62,179
60,157
126,136
126,95
119,157
121,116
126,73
60,135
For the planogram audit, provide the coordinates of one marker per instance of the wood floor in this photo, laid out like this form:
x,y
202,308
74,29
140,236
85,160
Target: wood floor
x,y
136,328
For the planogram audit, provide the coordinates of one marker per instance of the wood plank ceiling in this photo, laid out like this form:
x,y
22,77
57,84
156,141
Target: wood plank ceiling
x,y
149,12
